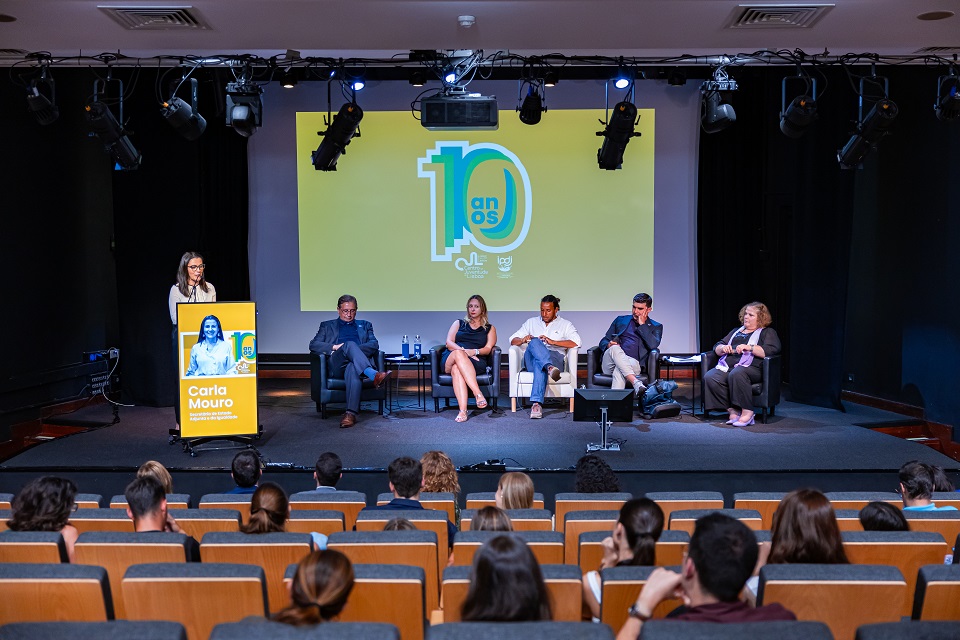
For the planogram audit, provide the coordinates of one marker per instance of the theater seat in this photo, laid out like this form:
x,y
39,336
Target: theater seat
x,y
596,378
391,594
521,382
112,630
771,630
563,584
619,589
524,630
32,546
441,383
348,502
547,546
766,393
267,630
670,549
480,499
937,595
910,630
326,388
50,592
521,519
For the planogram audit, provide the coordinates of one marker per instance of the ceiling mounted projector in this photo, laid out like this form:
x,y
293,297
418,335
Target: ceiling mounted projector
x,y
459,112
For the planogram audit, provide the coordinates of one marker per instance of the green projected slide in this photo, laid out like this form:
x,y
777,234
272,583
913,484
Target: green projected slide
x,y
417,220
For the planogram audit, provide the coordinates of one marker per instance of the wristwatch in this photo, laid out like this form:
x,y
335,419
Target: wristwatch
x,y
634,612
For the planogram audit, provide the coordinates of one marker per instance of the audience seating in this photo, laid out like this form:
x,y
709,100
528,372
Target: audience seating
x,y
268,630
442,382
49,592
547,546
671,547
686,519
116,551
848,519
5,515
671,501
482,499
236,501
6,499
174,501
567,502
349,502
910,630
389,593
422,519
32,547
563,583
579,522
326,388
411,548
766,393
766,502
859,499
112,630
844,596
88,500
521,382
437,501
946,523
318,521
86,520
199,522
620,588
522,519
197,595
946,499
271,551
937,594
772,630
525,630
650,370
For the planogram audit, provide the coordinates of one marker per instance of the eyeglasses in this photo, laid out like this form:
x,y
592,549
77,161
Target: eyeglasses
x,y
196,267
348,310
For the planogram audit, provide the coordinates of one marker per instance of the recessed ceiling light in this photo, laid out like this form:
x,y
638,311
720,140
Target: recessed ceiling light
x,y
935,15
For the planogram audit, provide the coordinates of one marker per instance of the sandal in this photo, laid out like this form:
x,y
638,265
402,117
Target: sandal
x,y
462,416
481,403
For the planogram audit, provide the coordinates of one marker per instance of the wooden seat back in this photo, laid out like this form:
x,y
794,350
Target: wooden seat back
x,y
619,590
578,522
547,546
563,584
671,547
52,592
568,502
348,502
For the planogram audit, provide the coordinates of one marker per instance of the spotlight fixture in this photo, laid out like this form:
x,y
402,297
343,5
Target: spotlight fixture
x,y
870,129
184,117
802,110
358,84
617,134
450,78
531,109
105,126
676,78
289,79
244,107
551,78
42,99
948,99
715,114
337,137
625,77
418,78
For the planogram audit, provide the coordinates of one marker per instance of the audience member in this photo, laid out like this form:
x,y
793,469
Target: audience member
x,y
515,491
594,475
491,519
406,482
320,588
940,480
916,487
329,470
634,542
440,476
45,504
506,584
883,516
269,512
245,470
147,507
158,471
399,524
721,556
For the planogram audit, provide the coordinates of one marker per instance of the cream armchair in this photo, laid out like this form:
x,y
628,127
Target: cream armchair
x,y
521,382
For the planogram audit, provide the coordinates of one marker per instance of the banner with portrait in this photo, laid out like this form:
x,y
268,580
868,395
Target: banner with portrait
x,y
217,347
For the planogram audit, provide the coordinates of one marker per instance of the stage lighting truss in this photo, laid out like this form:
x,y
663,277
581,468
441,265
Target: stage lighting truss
x,y
947,106
244,106
801,113
108,128
183,116
715,114
618,129
341,129
531,106
870,128
42,98
458,69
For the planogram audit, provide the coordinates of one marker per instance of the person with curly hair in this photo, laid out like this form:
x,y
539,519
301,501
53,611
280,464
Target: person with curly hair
x,y
440,476
269,512
45,504
320,588
594,475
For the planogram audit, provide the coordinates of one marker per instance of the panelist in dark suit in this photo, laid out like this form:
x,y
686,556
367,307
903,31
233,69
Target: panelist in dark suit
x,y
351,344
628,342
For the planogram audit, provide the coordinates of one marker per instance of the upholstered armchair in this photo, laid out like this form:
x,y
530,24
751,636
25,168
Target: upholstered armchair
x,y
324,388
521,382
442,383
766,393
597,378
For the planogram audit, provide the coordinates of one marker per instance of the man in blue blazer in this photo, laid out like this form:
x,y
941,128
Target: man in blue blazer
x,y
351,344
628,342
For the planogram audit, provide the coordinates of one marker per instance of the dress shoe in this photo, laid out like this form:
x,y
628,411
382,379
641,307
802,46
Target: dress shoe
x,y
348,420
741,423
732,420
380,378
554,373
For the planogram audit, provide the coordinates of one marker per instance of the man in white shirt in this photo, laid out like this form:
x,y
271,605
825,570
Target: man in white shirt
x,y
547,338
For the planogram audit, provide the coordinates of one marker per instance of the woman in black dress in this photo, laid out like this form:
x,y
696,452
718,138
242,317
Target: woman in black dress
x,y
469,340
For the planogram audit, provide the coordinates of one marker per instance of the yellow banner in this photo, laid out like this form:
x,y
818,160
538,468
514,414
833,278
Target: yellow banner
x,y
218,369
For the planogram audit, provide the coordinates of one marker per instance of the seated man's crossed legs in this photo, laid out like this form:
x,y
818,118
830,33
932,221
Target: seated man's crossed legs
x,y
623,368
542,362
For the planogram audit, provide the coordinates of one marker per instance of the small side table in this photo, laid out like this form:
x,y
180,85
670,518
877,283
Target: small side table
x,y
397,362
684,361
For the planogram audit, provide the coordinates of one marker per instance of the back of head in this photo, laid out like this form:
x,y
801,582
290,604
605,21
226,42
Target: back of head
x,y
158,471
329,467
44,504
399,524
594,475
439,473
406,476
320,588
805,531
724,551
940,480
491,519
246,469
144,496
516,490
269,510
917,480
506,584
883,516
642,521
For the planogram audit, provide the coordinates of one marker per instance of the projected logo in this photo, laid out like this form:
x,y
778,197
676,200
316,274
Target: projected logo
x,y
480,197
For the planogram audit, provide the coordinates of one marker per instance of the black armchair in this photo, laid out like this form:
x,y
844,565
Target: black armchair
x,y
650,370
766,393
442,383
325,389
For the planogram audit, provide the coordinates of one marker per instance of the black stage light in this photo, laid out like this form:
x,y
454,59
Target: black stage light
x,y
418,78
337,137
105,126
676,78
244,108
531,110
616,135
853,152
183,116
289,79
797,117
948,99
716,115
551,78
869,133
42,100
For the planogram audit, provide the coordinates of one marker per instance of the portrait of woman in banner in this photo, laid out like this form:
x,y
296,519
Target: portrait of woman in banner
x,y
212,355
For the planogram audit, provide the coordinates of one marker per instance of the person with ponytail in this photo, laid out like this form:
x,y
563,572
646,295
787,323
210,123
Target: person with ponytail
x,y
633,542
269,511
320,588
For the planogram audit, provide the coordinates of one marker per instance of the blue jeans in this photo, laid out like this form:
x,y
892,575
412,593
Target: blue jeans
x,y
536,359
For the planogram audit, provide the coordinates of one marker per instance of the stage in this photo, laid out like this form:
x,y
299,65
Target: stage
x,y
800,446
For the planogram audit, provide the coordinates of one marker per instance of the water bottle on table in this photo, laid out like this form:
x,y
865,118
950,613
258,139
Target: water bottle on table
x,y
417,347
405,347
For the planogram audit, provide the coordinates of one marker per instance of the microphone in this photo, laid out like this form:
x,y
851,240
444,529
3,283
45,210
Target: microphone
x,y
193,292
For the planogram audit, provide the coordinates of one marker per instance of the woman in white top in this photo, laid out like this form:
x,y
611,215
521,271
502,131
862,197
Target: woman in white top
x,y
191,285
212,355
